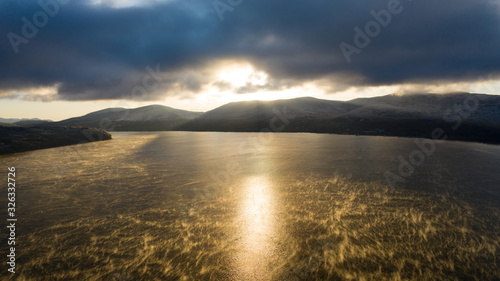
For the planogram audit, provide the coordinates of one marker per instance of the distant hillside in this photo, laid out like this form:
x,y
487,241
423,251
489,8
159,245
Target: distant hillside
x,y
408,115
428,106
305,107
18,138
32,122
7,124
147,118
252,116
462,116
17,120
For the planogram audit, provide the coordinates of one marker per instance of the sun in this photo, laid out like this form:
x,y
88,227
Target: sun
x,y
238,74
118,4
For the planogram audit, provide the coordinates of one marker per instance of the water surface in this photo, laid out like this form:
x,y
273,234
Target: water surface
x,y
248,206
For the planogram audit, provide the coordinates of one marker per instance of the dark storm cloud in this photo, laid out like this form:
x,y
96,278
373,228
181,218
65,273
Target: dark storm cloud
x,y
94,52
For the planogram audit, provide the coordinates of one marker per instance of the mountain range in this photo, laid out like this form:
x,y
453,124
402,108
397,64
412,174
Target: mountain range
x,y
147,118
462,116
24,121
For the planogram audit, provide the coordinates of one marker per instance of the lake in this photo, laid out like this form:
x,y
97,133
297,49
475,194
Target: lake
x,y
255,206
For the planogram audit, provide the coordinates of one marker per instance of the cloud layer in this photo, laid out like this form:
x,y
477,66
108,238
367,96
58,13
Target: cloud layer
x,y
91,52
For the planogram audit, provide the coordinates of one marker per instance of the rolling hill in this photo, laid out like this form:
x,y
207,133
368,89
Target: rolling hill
x,y
24,121
15,138
147,118
462,116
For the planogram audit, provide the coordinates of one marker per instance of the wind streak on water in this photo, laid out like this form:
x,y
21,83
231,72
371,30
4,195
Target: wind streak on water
x,y
302,207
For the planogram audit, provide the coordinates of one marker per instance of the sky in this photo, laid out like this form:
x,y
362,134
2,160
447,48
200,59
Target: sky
x,y
66,58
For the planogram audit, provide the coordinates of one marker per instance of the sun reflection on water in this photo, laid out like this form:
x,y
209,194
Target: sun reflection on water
x,y
256,230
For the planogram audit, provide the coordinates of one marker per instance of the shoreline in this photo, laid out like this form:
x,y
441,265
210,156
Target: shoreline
x,y
14,139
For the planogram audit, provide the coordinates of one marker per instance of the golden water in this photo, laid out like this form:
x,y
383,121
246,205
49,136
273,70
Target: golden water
x,y
246,206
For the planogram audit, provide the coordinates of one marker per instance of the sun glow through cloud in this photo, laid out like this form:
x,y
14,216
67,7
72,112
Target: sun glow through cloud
x,y
117,4
101,50
241,74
